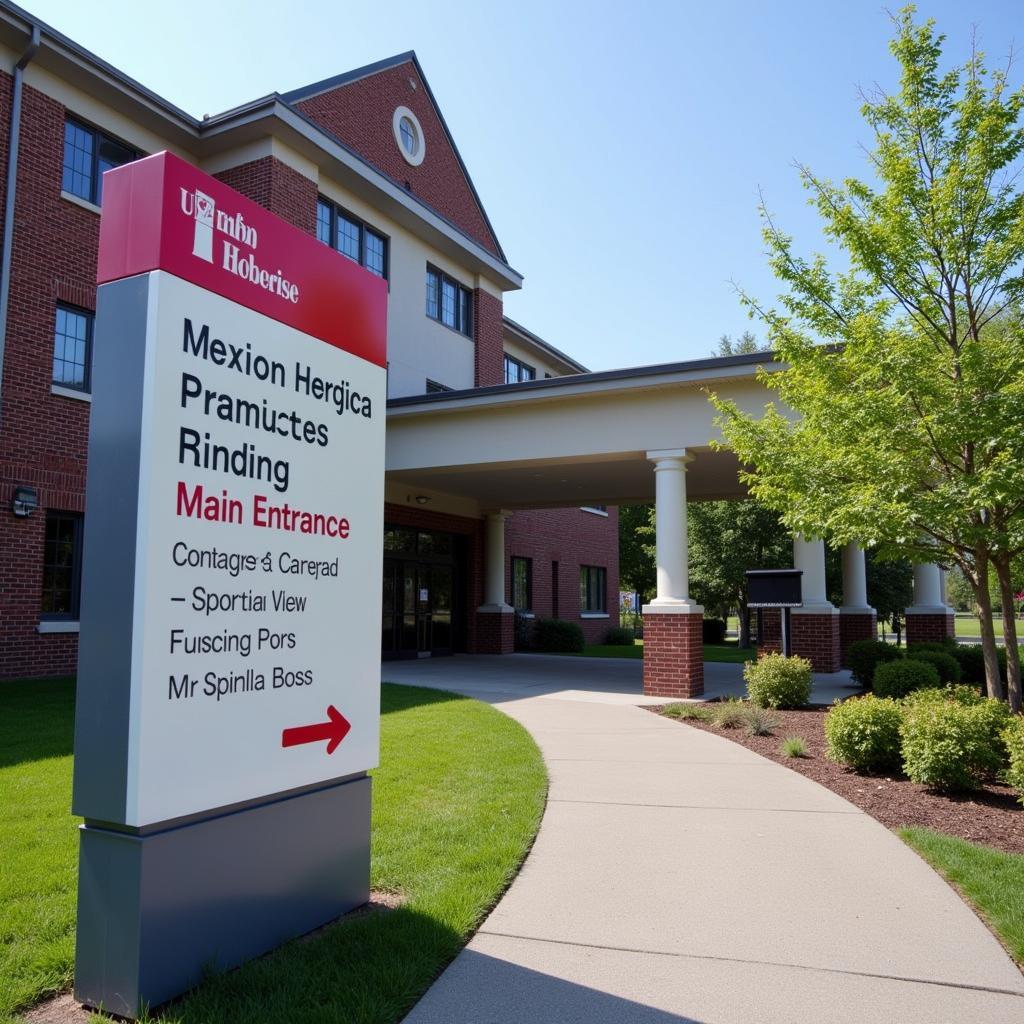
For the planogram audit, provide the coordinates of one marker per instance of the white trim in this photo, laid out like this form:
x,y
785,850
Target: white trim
x,y
594,615
673,609
58,626
78,201
594,511
79,396
416,158
526,615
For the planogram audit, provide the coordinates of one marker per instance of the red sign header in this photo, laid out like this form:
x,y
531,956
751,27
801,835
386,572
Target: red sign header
x,y
162,213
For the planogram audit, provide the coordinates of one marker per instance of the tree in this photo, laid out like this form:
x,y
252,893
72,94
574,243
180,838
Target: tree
x,y
743,345
636,556
726,538
909,429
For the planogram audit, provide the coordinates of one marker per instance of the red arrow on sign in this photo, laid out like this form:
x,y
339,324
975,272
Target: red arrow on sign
x,y
334,731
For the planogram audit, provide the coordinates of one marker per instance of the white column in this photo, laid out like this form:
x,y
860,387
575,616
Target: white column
x,y
673,590
809,556
942,587
855,580
494,564
927,591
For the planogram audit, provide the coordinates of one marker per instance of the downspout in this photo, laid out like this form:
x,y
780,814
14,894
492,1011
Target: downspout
x,y
14,139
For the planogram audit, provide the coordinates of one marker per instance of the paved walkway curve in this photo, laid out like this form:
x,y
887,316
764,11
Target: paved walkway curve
x,y
678,876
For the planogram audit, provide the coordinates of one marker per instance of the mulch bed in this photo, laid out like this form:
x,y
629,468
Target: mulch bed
x,y
991,816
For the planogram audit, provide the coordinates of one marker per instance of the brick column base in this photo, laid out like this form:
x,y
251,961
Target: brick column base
x,y
771,624
929,627
816,637
495,633
855,625
673,652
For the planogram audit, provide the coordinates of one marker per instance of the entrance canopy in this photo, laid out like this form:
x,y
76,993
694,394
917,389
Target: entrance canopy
x,y
570,441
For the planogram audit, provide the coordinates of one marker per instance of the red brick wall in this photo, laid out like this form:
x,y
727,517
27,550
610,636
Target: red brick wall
x,y
816,637
854,627
572,538
771,628
929,628
43,437
278,188
673,655
489,353
360,115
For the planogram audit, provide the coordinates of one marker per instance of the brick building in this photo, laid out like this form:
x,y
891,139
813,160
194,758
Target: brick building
x,y
364,161
506,459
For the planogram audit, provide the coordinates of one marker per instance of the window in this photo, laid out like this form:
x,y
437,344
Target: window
x,y
522,584
434,387
87,154
408,136
351,237
593,586
408,133
62,565
449,302
72,348
517,371
597,510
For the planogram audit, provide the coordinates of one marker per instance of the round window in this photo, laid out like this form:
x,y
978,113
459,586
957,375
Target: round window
x,y
409,136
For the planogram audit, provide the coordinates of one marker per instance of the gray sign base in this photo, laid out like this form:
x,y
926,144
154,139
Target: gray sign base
x,y
158,911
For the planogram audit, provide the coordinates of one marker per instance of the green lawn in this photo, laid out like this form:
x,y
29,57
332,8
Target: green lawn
x,y
457,802
712,652
990,880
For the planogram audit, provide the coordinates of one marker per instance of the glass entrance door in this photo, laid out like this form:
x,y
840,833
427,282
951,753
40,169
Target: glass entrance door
x,y
418,606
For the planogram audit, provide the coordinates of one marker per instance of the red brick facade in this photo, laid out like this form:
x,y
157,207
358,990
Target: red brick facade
x,y
673,655
816,637
569,537
854,626
771,631
489,352
494,633
359,114
927,627
278,188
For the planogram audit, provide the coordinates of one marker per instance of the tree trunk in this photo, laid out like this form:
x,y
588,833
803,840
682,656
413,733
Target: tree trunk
x,y
983,608
1002,564
744,631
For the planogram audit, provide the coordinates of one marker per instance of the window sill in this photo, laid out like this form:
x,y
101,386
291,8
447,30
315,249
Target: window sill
x,y
594,511
594,615
78,396
78,201
58,626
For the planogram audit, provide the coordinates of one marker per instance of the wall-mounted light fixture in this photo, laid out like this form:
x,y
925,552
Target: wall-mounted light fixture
x,y
422,499
25,501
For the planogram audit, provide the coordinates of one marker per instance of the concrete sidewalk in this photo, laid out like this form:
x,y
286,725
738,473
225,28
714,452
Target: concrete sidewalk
x,y
680,877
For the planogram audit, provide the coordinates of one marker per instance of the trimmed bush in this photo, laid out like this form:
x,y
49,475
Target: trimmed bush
x,y
950,746
866,655
558,636
620,636
864,733
947,646
898,678
1013,740
776,681
959,692
713,631
945,664
972,663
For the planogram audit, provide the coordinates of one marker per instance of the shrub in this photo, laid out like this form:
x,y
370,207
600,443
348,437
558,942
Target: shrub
x,y
729,714
713,631
947,745
945,664
701,712
898,678
1013,740
620,636
760,722
558,636
864,733
959,692
972,663
776,681
947,646
866,655
793,746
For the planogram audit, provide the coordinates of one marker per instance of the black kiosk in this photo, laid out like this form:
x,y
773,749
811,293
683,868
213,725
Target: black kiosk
x,y
775,588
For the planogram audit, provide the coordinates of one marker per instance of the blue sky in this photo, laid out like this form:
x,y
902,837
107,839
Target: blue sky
x,y
618,148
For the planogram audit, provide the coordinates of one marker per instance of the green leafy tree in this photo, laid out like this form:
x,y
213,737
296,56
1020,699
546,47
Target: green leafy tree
x,y
745,344
909,428
636,555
